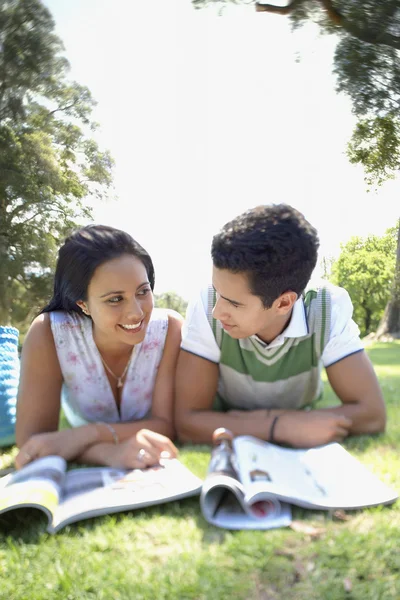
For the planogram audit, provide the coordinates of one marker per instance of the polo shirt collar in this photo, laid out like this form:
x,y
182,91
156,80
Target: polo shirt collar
x,y
297,327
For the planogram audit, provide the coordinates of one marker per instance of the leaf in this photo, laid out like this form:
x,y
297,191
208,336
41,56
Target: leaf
x,y
301,527
341,515
347,584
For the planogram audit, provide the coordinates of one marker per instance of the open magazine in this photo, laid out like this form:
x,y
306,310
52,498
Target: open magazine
x,y
264,479
69,496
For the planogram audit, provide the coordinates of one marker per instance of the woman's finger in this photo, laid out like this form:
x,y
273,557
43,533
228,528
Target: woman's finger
x,y
159,441
24,457
146,453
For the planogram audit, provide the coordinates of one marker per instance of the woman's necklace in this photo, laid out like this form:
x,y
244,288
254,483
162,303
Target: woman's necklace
x,y
120,382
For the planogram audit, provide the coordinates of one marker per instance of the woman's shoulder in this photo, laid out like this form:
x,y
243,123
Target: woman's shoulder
x,y
58,317
164,320
166,316
39,333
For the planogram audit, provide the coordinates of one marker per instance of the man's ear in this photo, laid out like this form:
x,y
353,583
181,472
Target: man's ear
x,y
83,307
285,302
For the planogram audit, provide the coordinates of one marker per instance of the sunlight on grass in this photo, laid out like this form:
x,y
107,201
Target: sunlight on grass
x,y
170,553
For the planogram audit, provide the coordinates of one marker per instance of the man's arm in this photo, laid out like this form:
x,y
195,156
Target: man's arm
x,y
196,387
354,381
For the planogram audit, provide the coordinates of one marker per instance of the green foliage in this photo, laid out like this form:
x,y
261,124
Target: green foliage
x,y
171,300
367,67
365,268
48,164
169,552
376,145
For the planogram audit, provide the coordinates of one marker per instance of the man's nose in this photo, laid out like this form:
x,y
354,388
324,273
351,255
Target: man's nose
x,y
218,310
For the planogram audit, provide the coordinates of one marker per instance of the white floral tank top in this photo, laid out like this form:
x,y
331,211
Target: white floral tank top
x,y
87,395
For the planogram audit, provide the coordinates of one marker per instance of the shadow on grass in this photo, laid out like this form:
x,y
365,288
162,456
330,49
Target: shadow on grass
x,y
27,525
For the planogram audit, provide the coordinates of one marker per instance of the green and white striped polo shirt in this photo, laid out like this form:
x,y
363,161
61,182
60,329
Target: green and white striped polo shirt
x,y
285,373
254,375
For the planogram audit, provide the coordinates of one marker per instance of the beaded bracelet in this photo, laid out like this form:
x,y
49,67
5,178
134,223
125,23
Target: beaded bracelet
x,y
111,430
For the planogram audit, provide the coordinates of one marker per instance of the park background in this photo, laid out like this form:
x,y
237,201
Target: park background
x,y
209,108
207,113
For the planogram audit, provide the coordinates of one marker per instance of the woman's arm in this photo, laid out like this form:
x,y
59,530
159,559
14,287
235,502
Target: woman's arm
x,y
38,401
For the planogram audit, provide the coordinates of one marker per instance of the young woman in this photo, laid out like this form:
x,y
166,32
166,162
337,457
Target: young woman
x,y
101,350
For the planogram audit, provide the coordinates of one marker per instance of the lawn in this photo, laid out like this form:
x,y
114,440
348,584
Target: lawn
x,y
169,552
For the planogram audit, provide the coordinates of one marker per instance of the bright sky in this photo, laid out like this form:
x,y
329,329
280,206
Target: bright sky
x,y
207,116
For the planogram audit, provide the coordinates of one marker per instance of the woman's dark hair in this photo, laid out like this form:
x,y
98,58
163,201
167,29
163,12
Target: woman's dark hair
x,y
273,245
79,257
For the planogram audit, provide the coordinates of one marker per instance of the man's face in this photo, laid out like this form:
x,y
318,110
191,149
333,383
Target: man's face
x,y
241,313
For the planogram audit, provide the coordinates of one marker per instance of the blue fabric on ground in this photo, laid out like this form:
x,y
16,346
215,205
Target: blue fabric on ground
x,y
9,379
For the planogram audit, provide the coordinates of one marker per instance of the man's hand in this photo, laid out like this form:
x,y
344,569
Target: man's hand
x,y
68,443
311,428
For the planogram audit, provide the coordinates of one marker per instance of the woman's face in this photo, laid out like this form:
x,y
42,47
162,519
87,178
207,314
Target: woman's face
x,y
120,300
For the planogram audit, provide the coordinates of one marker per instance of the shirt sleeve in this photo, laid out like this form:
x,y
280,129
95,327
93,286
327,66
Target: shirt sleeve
x,y
344,338
197,335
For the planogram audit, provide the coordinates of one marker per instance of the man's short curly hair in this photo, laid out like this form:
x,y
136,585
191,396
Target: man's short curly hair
x,y
273,245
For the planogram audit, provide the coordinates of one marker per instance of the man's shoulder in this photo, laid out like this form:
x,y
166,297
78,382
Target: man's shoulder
x,y
336,293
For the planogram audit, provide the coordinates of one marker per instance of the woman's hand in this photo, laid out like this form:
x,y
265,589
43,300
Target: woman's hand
x,y
143,449
68,443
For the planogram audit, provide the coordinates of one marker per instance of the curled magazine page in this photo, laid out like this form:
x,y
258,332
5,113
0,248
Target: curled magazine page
x,y
326,477
223,498
98,490
343,480
38,485
268,470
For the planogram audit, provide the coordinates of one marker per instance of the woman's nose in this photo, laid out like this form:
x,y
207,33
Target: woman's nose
x,y
135,311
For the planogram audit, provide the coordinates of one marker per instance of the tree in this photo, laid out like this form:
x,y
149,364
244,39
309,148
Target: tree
x,y
171,300
49,165
367,68
390,322
366,269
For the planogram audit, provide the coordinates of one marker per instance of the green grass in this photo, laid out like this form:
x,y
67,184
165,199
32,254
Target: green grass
x,y
169,552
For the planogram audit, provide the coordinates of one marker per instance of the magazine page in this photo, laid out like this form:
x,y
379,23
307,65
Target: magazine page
x,y
324,477
223,504
38,485
100,490
222,499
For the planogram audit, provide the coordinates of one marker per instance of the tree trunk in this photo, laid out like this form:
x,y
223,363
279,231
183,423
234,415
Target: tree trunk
x,y
367,321
390,322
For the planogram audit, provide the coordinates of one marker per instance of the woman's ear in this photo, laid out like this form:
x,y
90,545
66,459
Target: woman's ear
x,y
83,307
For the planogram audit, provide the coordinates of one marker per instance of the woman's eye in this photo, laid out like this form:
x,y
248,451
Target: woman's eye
x,y
115,300
144,292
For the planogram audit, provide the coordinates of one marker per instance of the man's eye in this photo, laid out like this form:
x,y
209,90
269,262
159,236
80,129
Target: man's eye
x,y
115,299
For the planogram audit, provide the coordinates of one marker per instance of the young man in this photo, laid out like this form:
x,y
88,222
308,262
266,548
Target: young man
x,y
254,344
